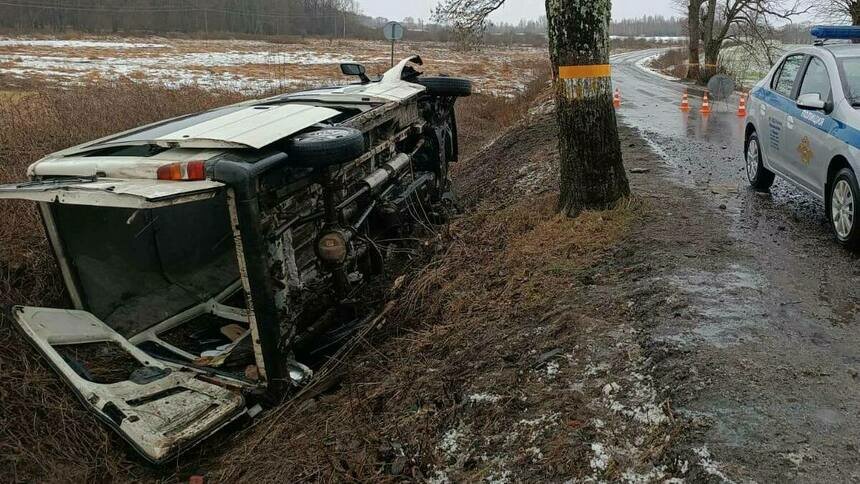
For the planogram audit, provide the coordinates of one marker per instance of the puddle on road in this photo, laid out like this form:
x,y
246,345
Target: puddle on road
x,y
724,308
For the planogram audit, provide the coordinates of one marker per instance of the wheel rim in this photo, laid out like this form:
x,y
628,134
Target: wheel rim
x,y
752,160
842,208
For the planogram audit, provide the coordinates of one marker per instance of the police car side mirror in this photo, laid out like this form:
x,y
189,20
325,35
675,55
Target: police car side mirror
x,y
811,102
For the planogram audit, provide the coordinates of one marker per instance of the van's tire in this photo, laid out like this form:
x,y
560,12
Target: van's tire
x,y
444,86
326,147
760,178
842,208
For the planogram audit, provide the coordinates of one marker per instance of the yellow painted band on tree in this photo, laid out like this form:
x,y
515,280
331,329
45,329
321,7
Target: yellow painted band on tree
x,y
584,72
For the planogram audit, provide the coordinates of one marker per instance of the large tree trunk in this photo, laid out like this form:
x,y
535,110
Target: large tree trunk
x,y
712,47
592,171
695,34
855,17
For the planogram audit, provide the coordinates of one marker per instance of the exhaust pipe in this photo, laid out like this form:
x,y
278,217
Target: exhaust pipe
x,y
386,171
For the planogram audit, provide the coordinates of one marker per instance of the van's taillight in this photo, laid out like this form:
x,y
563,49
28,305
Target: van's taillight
x,y
188,171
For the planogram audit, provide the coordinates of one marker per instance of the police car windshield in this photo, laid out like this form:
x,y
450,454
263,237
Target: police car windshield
x,y
850,73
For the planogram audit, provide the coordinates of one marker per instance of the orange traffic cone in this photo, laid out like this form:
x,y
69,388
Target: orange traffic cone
x,y
706,105
616,98
685,102
742,107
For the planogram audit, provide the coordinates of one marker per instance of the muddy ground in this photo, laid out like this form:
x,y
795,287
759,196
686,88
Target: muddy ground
x,y
697,332
547,349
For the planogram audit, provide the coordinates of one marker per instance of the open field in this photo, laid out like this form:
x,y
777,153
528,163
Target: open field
x,y
249,66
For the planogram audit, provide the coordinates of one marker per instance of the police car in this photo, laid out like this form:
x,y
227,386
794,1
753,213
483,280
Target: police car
x,y
804,125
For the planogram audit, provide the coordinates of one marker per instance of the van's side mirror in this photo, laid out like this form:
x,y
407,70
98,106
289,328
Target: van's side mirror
x,y
812,102
355,70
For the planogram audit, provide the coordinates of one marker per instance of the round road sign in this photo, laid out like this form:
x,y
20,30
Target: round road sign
x,y
721,87
393,31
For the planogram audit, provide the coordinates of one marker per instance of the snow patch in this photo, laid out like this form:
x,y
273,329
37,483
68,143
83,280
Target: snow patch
x,y
644,64
654,475
484,398
600,461
535,452
439,477
552,368
77,44
450,443
499,478
708,464
593,370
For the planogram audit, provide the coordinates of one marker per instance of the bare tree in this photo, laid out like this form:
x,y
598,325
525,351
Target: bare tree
x,y
694,30
713,22
838,10
591,165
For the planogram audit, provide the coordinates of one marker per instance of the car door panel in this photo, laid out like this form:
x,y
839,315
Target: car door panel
x,y
781,116
814,143
159,409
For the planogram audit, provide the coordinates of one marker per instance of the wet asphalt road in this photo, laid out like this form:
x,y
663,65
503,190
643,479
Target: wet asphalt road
x,y
772,332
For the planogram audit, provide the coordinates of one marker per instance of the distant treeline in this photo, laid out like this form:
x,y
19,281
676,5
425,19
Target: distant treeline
x,y
650,26
262,17
327,18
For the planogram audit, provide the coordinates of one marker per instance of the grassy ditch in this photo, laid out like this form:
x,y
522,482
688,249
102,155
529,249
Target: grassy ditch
x,y
45,434
463,327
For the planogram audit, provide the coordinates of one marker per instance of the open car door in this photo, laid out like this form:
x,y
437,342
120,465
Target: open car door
x,y
160,408
111,193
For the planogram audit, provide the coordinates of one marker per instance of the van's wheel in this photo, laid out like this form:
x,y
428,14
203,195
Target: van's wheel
x,y
325,147
843,198
760,178
446,86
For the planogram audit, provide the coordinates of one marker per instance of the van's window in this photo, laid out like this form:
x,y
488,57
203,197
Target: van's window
x,y
143,151
784,82
850,72
136,268
816,80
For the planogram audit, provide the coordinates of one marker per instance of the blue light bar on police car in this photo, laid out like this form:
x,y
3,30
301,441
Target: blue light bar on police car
x,y
835,32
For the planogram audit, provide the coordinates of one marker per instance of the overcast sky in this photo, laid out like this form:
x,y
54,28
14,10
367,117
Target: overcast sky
x,y
513,10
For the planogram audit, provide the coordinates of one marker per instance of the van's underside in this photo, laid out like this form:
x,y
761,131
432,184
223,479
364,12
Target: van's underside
x,y
197,300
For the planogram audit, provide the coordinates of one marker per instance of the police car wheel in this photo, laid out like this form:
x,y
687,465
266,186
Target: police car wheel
x,y
844,196
760,178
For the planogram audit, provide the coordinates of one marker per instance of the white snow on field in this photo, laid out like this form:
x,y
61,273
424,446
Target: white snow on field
x,y
645,65
660,38
249,66
178,70
72,44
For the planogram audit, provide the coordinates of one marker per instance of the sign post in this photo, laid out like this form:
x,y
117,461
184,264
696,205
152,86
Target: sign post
x,y
393,31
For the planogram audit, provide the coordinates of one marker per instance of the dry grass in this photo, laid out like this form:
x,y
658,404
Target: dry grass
x,y
462,318
465,323
672,62
45,434
482,118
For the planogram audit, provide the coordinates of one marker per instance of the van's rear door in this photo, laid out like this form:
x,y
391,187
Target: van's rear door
x,y
159,409
110,192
